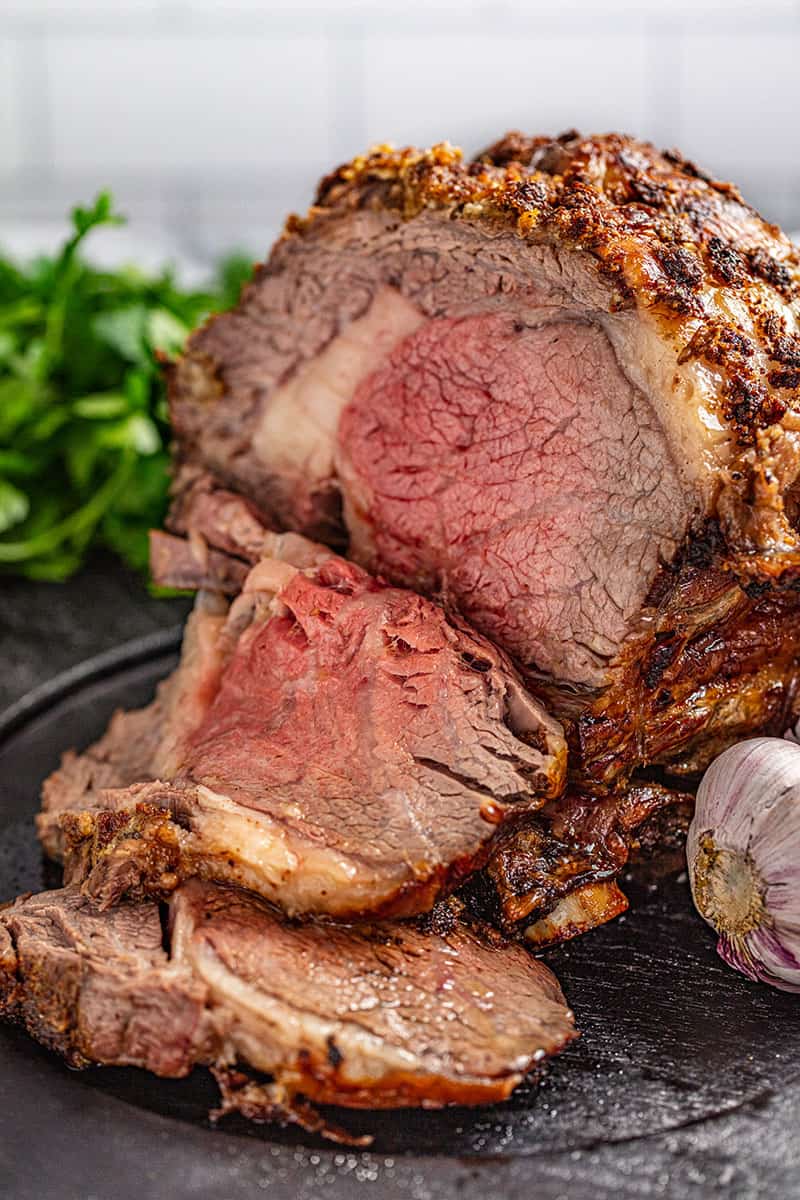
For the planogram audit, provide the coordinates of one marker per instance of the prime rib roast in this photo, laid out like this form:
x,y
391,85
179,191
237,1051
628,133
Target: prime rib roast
x,y
556,387
488,489
341,747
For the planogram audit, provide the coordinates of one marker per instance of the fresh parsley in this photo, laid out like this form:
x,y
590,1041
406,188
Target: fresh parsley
x,y
84,431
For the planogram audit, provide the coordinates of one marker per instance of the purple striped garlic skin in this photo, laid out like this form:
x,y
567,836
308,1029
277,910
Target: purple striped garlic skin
x,y
743,854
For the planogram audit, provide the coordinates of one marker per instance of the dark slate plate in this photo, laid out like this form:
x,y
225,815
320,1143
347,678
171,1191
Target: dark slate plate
x,y
680,1058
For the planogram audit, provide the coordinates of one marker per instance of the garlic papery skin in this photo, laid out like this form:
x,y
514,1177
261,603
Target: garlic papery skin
x,y
743,854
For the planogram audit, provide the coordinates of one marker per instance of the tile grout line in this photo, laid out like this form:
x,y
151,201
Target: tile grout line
x,y
297,20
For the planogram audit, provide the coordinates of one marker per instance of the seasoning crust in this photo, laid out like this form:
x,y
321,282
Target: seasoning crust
x,y
721,282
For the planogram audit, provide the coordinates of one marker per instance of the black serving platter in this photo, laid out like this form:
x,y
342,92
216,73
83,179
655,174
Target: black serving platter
x,y
686,1078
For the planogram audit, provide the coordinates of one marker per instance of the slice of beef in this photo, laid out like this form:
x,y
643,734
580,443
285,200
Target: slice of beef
x,y
193,565
224,537
376,1017
210,515
375,1028
550,385
335,744
100,988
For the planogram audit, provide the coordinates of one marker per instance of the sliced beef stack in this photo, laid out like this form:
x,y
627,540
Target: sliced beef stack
x,y
335,744
359,1017
556,386
340,747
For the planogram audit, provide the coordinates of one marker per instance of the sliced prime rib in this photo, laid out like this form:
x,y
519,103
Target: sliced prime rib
x,y
557,386
100,988
551,875
379,1016
335,744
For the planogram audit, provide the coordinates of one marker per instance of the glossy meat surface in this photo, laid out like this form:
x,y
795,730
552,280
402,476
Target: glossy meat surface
x,y
396,1015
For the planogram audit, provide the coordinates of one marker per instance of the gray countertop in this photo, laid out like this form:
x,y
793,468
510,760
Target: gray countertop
x,y
46,628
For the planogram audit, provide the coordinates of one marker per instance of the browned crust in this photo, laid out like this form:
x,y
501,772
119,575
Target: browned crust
x,y
320,1082
143,852
718,659
576,844
666,235
270,1104
42,1005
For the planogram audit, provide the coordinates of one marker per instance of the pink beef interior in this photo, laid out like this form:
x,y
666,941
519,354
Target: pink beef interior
x,y
493,461
337,744
364,717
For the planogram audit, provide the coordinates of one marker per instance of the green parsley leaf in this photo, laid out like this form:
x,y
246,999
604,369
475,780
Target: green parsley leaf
x,y
14,505
83,412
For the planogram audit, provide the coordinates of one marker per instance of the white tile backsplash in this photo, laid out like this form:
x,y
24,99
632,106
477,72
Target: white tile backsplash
x,y
11,104
215,117
470,90
417,9
738,100
663,10
374,8
35,194
217,216
175,104
80,7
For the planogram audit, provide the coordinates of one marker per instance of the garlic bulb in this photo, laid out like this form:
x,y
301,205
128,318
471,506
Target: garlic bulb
x,y
743,852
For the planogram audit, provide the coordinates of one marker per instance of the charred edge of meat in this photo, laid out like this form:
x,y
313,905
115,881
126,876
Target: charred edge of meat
x,y
717,662
130,854
578,845
268,1103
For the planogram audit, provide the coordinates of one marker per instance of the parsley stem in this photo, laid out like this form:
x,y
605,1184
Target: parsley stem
x,y
77,522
